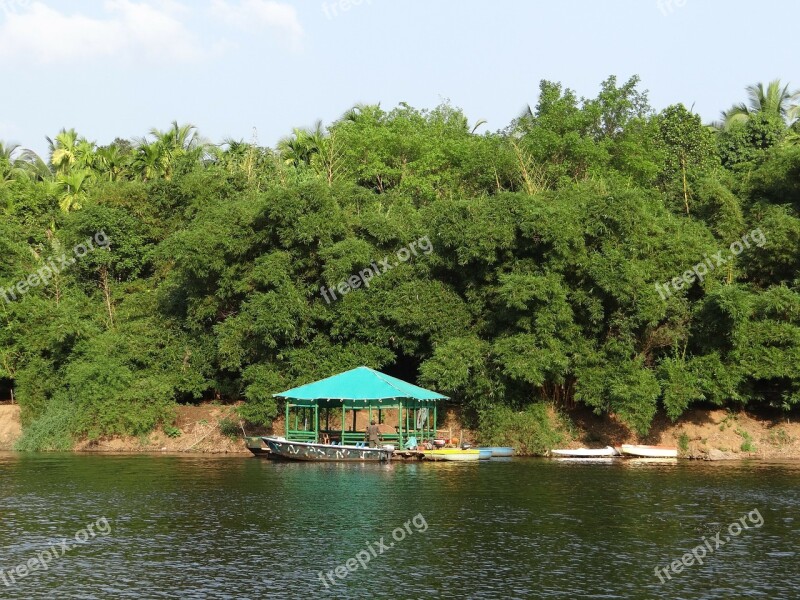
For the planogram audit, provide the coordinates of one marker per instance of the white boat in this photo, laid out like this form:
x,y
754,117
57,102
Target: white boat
x,y
649,451
585,452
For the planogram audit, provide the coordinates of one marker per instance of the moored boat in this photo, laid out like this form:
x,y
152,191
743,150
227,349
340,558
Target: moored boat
x,y
484,453
500,451
585,452
453,454
649,451
255,445
307,451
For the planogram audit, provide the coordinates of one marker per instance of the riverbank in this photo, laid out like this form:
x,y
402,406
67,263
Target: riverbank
x,y
10,428
716,434
701,434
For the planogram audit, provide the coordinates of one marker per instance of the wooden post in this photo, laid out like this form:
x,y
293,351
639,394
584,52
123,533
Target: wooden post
x,y
400,424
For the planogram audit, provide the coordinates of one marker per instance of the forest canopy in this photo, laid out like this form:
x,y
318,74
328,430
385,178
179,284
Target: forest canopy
x,y
549,241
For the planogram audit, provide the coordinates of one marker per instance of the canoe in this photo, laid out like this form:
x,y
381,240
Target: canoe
x,y
500,451
484,453
585,452
307,451
453,454
649,451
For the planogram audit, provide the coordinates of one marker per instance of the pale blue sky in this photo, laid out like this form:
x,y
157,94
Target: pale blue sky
x,y
119,67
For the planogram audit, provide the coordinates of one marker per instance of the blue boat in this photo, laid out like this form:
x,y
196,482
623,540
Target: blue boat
x,y
484,453
500,451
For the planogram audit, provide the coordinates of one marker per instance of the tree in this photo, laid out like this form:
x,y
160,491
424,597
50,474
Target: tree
x,y
689,147
73,188
775,100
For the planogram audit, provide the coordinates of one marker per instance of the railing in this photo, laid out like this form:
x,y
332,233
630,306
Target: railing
x,y
301,436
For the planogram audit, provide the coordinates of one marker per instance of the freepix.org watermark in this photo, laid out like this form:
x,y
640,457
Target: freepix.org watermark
x,y
42,560
707,265
667,7
365,275
54,266
333,9
699,552
374,549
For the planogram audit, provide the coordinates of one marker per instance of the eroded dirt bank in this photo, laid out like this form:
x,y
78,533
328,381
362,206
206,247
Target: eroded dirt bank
x,y
10,429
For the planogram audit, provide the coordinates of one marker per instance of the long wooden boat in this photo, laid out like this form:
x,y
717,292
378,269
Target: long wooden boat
x,y
500,451
307,451
453,454
649,451
585,452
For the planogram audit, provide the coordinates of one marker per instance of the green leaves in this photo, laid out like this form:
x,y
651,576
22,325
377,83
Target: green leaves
x,y
539,286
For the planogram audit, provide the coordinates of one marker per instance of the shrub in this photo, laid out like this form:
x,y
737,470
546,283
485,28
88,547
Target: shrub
x,y
52,431
172,431
683,443
229,428
534,430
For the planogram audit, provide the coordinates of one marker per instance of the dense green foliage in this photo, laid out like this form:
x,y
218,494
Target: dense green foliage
x,y
548,239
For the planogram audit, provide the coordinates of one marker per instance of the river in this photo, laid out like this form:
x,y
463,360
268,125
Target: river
x,y
113,526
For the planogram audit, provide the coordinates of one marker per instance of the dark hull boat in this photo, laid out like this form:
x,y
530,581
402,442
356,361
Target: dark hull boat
x,y
283,448
256,446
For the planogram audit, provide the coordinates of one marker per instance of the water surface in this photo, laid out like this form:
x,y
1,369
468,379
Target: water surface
x,y
242,527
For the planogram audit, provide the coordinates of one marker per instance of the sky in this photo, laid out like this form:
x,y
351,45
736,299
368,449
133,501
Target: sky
x,y
253,70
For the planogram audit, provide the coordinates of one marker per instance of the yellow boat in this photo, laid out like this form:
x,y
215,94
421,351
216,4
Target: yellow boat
x,y
453,454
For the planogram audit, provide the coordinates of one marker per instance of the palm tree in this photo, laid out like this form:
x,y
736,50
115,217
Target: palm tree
x,y
111,161
774,99
177,141
34,166
150,160
299,148
178,137
7,151
69,150
17,162
63,149
85,154
72,189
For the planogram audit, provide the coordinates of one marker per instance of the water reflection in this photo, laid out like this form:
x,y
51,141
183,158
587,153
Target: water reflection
x,y
236,527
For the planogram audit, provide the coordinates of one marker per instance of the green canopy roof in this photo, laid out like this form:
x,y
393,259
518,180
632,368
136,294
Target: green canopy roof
x,y
359,384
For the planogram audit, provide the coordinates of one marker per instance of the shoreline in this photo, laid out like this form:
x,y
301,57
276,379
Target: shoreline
x,y
715,435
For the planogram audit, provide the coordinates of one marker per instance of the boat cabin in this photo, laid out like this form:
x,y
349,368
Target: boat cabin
x,y
327,411
328,420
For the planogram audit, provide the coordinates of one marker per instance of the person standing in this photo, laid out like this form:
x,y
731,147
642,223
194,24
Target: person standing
x,y
373,434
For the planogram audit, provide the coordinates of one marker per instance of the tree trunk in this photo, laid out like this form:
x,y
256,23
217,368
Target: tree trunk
x,y
107,295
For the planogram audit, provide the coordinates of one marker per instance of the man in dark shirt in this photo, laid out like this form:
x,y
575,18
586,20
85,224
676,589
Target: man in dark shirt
x,y
373,434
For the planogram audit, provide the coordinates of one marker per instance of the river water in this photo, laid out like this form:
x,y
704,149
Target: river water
x,y
243,527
